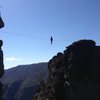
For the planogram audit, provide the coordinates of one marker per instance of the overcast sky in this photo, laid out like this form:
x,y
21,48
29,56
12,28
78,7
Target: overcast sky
x,y
30,23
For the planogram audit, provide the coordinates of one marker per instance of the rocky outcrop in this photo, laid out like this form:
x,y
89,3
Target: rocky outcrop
x,y
1,23
1,69
73,74
1,60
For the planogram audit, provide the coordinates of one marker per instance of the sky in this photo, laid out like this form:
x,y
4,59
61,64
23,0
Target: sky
x,y
29,24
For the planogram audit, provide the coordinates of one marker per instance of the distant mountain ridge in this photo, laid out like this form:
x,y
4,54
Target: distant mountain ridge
x,y
21,82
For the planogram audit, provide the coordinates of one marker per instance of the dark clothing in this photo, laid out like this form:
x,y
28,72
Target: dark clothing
x,y
51,39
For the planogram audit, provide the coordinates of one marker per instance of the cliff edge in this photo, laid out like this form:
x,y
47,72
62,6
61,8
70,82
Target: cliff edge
x,y
1,60
73,74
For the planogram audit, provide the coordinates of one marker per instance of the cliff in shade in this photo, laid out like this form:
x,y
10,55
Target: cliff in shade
x,y
1,68
1,60
73,74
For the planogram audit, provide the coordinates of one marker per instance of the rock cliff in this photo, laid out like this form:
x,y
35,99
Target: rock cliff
x,y
73,74
1,23
1,69
1,60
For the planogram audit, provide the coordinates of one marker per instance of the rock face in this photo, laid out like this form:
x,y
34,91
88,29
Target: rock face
x,y
1,68
73,74
1,60
1,23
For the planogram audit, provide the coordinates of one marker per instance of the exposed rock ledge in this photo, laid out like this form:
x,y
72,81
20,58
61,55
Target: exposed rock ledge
x,y
73,74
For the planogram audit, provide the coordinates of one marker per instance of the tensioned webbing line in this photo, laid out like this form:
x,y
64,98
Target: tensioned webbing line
x,y
29,36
